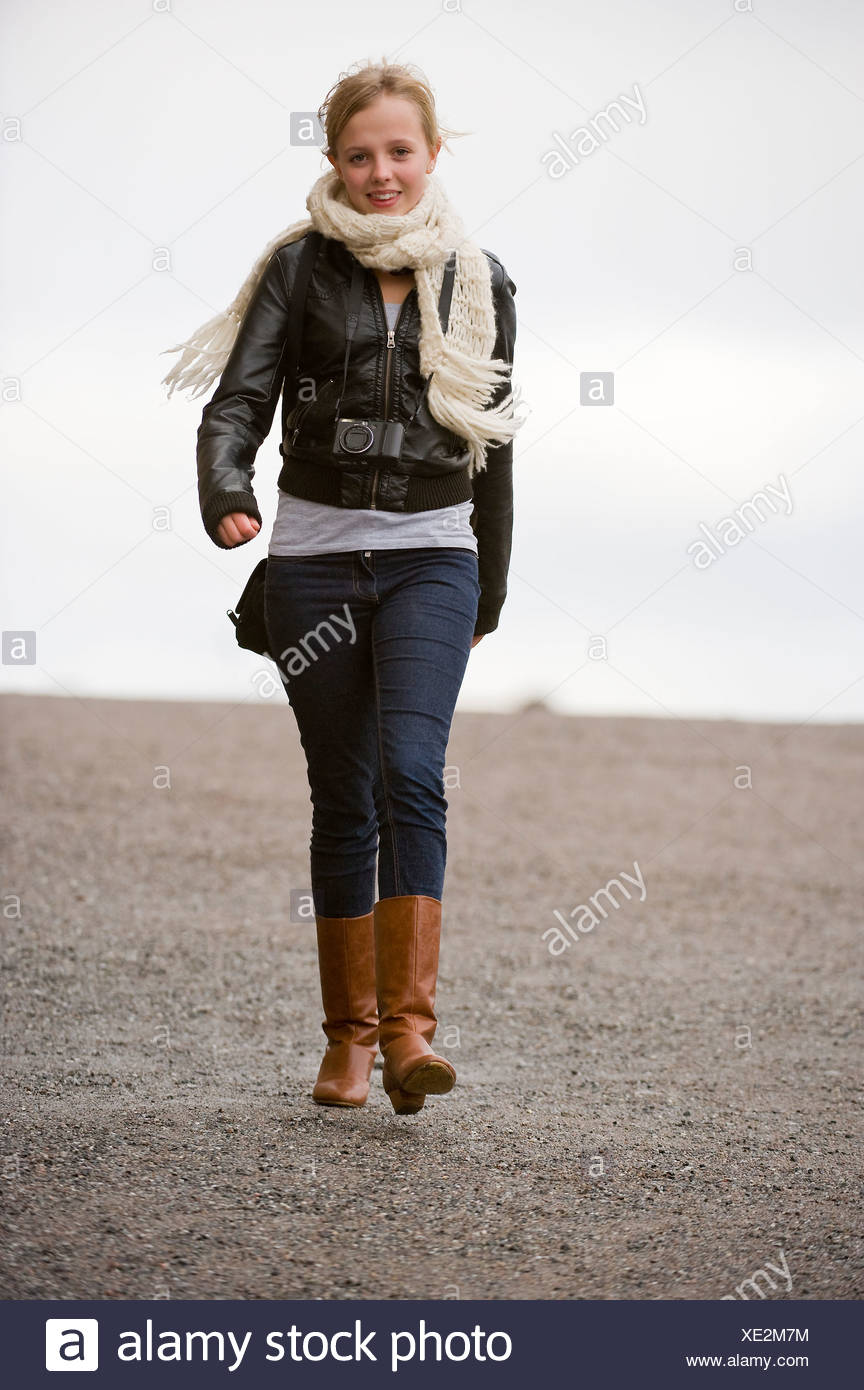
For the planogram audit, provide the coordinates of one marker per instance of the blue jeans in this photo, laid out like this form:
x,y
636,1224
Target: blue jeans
x,y
371,648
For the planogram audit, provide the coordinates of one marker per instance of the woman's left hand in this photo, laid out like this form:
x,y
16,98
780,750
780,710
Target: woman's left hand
x,y
475,640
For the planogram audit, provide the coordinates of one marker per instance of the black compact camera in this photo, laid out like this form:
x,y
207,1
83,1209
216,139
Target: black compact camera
x,y
374,439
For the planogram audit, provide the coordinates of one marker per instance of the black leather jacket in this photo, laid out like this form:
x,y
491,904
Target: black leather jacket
x,y
384,382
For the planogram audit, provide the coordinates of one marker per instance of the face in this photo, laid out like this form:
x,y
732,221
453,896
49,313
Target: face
x,y
382,150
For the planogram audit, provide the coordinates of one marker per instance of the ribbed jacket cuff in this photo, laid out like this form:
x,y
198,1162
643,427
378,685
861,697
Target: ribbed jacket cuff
x,y
220,504
487,619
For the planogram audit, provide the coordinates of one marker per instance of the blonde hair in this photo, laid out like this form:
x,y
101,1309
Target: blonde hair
x,y
356,90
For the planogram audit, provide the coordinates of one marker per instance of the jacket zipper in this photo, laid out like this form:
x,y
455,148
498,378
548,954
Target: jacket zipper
x,y
391,343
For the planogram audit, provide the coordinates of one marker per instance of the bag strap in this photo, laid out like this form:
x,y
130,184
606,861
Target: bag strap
x,y
308,256
447,292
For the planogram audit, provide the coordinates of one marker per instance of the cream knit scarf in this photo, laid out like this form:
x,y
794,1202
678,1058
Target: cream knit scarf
x,y
464,374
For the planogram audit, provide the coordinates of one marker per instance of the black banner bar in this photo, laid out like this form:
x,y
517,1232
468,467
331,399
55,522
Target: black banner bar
x,y
605,1344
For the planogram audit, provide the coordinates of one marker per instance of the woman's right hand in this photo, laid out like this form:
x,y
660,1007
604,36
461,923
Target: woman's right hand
x,y
237,527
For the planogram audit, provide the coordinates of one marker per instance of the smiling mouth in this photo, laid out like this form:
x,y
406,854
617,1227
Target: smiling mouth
x,y
384,198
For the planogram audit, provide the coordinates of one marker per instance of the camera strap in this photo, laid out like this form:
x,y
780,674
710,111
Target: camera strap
x,y
352,318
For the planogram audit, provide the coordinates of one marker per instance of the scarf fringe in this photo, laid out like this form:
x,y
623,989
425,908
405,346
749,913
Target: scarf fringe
x,y
204,355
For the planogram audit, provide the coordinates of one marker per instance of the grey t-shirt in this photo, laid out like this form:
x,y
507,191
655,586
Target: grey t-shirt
x,y
312,528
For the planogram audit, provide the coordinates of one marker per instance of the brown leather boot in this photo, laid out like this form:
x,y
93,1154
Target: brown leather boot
x,y
407,937
346,964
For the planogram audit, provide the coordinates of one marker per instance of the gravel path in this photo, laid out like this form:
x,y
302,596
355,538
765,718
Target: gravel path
x,y
661,1110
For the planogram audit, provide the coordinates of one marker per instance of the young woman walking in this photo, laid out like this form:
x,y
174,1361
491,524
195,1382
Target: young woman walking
x,y
389,555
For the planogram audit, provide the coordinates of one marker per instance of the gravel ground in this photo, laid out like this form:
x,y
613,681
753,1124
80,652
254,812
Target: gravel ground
x,y
661,1110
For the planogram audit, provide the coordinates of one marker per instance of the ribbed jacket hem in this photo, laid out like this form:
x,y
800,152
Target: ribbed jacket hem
x,y
317,482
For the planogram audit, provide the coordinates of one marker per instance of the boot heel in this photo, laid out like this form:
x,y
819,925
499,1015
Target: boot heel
x,y
402,1101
